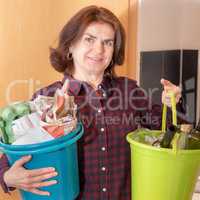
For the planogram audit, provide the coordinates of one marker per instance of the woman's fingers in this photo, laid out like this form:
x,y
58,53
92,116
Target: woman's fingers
x,y
38,184
22,161
37,191
34,187
35,178
165,82
168,86
43,184
40,192
41,171
33,172
43,177
29,180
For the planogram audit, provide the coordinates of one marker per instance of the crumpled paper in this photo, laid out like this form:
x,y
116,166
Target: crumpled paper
x,y
49,118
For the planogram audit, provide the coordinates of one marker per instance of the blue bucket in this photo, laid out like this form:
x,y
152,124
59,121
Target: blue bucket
x,y
43,144
60,155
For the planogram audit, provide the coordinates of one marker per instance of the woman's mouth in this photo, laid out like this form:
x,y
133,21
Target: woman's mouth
x,y
95,60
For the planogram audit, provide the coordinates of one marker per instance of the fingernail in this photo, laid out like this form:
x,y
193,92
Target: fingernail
x,y
55,174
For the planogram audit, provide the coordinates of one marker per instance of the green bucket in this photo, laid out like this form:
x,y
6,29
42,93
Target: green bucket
x,y
160,173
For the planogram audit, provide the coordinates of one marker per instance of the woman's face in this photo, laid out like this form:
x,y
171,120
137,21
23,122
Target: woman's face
x,y
93,52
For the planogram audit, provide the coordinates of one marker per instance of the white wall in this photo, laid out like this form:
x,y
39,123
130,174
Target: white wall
x,y
169,24
158,26
190,24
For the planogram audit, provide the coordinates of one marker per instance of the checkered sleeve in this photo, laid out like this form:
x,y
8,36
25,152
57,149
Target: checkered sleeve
x,y
4,166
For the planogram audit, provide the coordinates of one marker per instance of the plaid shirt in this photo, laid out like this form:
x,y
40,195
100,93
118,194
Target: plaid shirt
x,y
116,108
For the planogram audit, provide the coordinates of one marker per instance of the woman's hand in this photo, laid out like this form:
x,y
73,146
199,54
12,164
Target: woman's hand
x,y
29,180
169,87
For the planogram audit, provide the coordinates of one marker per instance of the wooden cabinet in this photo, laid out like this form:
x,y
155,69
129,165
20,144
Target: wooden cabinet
x,y
29,27
13,196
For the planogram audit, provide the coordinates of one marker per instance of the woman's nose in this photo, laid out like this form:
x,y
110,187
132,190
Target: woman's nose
x,y
99,47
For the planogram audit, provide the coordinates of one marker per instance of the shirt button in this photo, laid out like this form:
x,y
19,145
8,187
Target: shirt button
x,y
103,169
104,189
99,110
103,148
104,94
102,129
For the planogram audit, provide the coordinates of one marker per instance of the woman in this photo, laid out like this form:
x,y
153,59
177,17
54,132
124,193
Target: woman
x,y
90,45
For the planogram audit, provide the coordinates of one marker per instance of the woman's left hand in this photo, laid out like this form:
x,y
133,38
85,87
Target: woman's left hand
x,y
169,87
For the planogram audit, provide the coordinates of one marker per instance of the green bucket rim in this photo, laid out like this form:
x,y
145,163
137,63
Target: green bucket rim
x,y
163,129
166,150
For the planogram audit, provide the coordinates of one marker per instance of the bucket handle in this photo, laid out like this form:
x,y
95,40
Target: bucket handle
x,y
174,121
164,112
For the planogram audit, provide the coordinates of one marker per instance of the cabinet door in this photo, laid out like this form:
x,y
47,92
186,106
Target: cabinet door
x,y
189,82
150,73
156,65
171,69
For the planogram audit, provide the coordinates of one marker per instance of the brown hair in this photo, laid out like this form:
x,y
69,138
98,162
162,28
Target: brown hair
x,y
73,30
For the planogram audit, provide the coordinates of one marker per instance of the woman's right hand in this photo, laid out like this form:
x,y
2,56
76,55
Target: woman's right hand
x,y
29,180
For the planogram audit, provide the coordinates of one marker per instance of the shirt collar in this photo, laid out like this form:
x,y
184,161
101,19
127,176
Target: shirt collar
x,y
77,87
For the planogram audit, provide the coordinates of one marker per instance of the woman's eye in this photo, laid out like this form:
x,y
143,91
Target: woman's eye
x,y
109,43
89,40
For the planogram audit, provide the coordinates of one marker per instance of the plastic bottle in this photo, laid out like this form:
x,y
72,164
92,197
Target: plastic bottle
x,y
168,136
